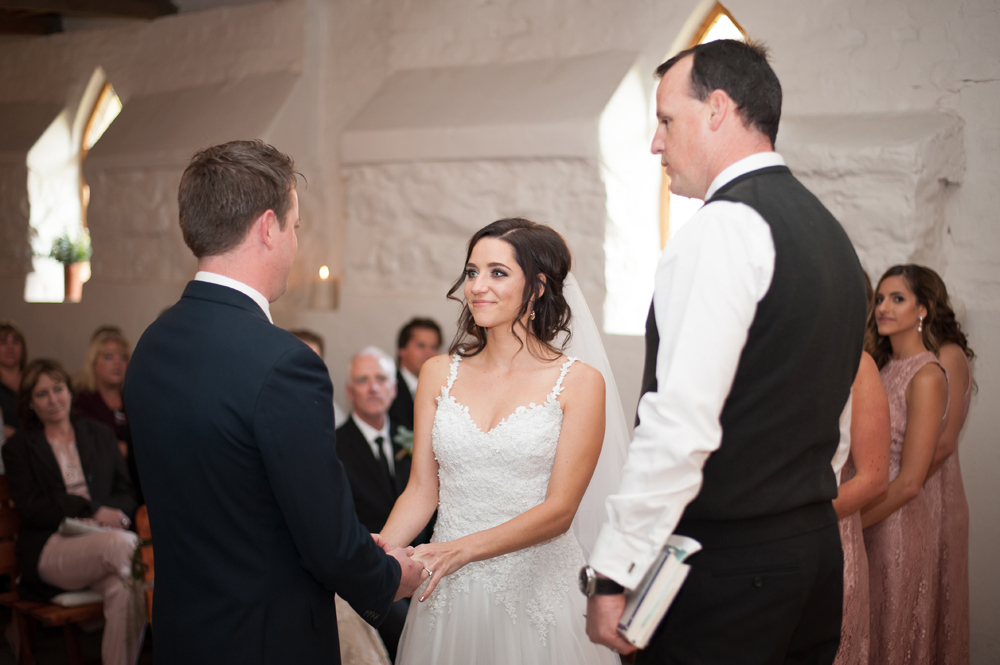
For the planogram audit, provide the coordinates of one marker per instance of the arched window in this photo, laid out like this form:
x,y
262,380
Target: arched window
x,y
676,210
641,211
58,195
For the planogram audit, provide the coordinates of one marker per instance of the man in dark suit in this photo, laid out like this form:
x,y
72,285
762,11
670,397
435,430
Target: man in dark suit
x,y
419,340
377,465
233,432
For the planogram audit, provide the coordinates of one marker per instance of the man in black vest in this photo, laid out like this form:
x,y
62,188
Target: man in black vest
x,y
753,340
232,422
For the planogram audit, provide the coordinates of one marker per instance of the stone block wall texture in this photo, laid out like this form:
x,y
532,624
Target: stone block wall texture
x,y
408,225
834,57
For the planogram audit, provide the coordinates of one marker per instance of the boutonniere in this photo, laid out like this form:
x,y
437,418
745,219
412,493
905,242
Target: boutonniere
x,y
404,439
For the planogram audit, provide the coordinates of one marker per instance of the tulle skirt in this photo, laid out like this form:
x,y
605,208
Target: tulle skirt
x,y
477,628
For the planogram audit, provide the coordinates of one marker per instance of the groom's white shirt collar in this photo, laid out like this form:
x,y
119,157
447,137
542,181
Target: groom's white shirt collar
x,y
222,280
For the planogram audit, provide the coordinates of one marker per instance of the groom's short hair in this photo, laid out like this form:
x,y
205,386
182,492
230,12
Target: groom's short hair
x,y
226,187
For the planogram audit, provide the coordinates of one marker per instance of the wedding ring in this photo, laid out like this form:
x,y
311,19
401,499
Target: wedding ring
x,y
125,521
614,649
430,573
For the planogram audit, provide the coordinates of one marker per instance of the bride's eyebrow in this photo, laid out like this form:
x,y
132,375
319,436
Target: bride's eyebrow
x,y
497,265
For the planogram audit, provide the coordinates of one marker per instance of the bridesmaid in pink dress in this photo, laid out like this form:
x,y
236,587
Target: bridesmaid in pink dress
x,y
903,526
865,476
953,582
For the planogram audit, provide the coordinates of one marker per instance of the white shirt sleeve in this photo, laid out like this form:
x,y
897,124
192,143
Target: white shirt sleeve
x,y
708,283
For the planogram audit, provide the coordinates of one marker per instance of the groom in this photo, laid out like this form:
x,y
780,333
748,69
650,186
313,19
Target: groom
x,y
752,345
232,419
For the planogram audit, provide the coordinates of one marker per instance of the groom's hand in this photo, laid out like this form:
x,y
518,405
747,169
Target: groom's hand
x,y
413,572
382,542
603,614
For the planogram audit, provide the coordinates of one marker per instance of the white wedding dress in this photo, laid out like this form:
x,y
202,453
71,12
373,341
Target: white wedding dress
x,y
522,607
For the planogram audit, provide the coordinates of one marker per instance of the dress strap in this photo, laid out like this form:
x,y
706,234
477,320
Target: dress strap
x,y
558,388
453,372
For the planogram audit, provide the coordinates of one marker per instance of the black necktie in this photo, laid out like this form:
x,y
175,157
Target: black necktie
x,y
379,440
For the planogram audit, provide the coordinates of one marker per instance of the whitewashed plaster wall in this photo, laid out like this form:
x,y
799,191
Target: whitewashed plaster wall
x,y
833,57
140,262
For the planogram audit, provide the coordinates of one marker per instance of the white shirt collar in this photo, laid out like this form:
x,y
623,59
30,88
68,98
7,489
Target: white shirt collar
x,y
411,380
369,432
222,280
754,162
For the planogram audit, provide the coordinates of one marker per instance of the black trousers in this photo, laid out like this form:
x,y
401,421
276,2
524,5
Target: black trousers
x,y
766,603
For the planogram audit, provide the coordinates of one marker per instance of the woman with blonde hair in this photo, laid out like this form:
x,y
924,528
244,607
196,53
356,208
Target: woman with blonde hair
x,y
99,390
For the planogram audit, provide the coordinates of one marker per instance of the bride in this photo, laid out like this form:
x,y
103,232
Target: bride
x,y
508,432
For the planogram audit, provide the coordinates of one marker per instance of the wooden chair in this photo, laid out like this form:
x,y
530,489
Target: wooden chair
x,y
25,612
146,550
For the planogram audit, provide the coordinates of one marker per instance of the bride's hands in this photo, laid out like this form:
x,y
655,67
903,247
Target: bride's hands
x,y
441,559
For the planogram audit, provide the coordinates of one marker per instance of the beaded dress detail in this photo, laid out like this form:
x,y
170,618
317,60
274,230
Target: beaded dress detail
x,y
903,548
520,607
953,580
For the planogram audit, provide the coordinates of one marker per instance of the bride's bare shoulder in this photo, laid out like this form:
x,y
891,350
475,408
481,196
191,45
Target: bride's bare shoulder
x,y
582,377
435,370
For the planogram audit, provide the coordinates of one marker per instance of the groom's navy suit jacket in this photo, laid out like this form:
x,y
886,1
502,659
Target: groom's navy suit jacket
x,y
253,523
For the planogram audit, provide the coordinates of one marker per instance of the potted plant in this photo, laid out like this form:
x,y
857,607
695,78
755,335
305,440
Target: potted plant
x,y
74,254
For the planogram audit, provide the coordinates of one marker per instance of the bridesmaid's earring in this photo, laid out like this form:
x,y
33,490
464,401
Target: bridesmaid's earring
x,y
532,317
920,326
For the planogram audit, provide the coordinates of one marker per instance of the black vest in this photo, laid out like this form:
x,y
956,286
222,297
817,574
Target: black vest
x,y
780,421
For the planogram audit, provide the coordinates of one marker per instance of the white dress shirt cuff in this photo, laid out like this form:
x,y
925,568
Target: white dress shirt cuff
x,y
624,557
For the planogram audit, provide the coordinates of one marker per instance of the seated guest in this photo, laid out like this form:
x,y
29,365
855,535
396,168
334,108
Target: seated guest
x,y
59,467
315,342
99,390
377,467
13,356
419,340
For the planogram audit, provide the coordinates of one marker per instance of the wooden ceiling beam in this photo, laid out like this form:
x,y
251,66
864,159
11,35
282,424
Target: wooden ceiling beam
x,y
138,9
16,23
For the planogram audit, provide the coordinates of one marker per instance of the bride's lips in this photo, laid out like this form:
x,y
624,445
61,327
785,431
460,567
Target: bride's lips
x,y
481,303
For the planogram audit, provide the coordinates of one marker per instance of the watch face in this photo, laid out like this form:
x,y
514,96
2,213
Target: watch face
x,y
587,580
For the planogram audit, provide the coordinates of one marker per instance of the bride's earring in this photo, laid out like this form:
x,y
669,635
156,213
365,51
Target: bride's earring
x,y
532,317
920,326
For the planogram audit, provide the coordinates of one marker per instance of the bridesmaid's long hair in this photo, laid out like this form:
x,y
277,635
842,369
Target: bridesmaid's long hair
x,y
940,325
538,250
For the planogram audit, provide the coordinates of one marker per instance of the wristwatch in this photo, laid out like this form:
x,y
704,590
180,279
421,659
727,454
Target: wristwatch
x,y
592,585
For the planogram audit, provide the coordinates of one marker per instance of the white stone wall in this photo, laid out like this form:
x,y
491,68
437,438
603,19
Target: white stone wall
x,y
834,57
408,225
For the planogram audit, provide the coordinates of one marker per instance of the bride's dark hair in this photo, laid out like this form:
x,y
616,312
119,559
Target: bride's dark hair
x,y
539,251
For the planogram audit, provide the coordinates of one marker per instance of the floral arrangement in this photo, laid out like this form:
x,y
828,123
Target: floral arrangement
x,y
404,439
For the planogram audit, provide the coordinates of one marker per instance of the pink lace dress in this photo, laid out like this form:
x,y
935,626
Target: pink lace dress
x,y
854,630
903,549
953,579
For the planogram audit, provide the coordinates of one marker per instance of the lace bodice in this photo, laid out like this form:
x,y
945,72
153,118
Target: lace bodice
x,y
487,478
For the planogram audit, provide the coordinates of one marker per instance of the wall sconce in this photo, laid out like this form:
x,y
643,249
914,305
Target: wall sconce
x,y
325,291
